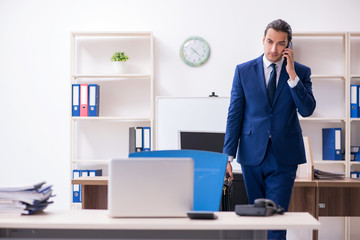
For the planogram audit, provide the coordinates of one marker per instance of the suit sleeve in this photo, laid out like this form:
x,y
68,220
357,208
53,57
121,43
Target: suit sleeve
x,y
302,94
235,116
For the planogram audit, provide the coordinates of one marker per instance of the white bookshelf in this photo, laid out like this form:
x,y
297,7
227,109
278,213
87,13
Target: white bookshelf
x,y
335,62
126,99
330,88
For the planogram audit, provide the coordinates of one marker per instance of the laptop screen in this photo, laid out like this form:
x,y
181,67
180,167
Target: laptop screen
x,y
150,187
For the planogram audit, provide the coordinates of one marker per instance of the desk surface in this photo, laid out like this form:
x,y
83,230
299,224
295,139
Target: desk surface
x,y
103,180
98,219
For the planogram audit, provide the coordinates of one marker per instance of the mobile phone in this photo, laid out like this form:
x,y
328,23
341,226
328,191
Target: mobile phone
x,y
287,46
202,215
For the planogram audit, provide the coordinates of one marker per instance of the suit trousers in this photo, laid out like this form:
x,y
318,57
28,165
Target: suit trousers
x,y
271,180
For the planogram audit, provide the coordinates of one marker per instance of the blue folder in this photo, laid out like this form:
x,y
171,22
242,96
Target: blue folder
x,y
146,138
75,101
76,187
209,173
356,157
94,93
95,172
332,147
354,101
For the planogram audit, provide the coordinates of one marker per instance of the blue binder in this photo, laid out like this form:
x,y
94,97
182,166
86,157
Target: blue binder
x,y
356,157
354,174
76,187
84,173
355,149
94,93
146,139
331,139
97,172
354,101
75,100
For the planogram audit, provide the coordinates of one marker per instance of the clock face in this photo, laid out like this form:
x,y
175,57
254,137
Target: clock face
x,y
195,51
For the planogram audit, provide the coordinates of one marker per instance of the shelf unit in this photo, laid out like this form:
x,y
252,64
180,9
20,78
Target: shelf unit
x,y
354,78
126,99
335,62
331,89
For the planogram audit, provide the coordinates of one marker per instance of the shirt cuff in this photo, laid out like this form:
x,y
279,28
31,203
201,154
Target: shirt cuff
x,y
292,83
230,158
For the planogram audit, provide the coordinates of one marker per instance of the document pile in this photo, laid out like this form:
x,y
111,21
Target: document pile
x,y
319,174
25,200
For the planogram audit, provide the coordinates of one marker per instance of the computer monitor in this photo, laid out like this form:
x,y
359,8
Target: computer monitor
x,y
214,142
206,141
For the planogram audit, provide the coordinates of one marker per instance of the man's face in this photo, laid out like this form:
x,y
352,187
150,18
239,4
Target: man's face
x,y
274,44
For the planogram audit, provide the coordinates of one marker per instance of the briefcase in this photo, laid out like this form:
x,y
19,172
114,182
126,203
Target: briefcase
x,y
226,194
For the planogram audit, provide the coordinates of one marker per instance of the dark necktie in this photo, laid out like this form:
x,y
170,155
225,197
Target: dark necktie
x,y
272,83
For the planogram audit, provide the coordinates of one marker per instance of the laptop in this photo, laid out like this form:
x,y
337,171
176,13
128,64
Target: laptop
x,y
150,187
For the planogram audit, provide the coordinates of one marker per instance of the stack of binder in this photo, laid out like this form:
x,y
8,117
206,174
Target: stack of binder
x,y
139,139
85,100
355,153
319,174
25,200
77,188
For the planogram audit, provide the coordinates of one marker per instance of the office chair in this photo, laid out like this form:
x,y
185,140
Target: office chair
x,y
209,172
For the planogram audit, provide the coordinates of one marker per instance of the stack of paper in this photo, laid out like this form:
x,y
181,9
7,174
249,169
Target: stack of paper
x,y
319,174
25,200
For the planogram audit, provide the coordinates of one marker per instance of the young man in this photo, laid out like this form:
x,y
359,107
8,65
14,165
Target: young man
x,y
267,93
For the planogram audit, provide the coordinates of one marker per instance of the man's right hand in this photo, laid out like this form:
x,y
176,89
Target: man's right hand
x,y
229,170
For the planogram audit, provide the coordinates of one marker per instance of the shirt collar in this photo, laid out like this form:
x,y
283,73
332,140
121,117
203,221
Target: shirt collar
x,y
267,63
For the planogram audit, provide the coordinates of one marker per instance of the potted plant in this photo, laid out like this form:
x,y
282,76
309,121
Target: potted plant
x,y
118,60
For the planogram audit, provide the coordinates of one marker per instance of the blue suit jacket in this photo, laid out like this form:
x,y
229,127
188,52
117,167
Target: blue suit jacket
x,y
252,119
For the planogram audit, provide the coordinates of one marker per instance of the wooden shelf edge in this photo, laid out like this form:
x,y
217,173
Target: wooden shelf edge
x,y
330,162
322,119
101,180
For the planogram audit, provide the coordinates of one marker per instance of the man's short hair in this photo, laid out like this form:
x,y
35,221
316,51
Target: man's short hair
x,y
280,25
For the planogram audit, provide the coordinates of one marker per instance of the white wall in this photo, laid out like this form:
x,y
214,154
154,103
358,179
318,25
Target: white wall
x,y
35,62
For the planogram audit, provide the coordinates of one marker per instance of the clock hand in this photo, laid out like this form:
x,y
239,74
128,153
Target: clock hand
x,y
195,51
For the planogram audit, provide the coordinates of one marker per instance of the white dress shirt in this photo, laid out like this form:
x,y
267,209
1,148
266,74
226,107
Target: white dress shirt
x,y
268,69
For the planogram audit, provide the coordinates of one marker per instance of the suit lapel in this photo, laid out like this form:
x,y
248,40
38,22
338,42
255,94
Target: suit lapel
x,y
282,80
259,69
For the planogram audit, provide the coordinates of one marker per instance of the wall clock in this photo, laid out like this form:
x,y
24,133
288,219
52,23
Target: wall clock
x,y
195,51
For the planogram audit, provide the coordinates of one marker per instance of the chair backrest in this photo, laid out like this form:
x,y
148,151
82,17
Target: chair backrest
x,y
209,173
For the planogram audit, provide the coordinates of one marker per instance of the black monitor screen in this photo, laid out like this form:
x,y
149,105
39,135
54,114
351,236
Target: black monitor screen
x,y
207,141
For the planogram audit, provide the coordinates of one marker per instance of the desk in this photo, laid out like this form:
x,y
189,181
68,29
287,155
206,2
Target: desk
x,y
323,198
82,223
340,197
318,197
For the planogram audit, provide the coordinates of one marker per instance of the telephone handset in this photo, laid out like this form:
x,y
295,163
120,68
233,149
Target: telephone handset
x,y
268,204
287,46
261,207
